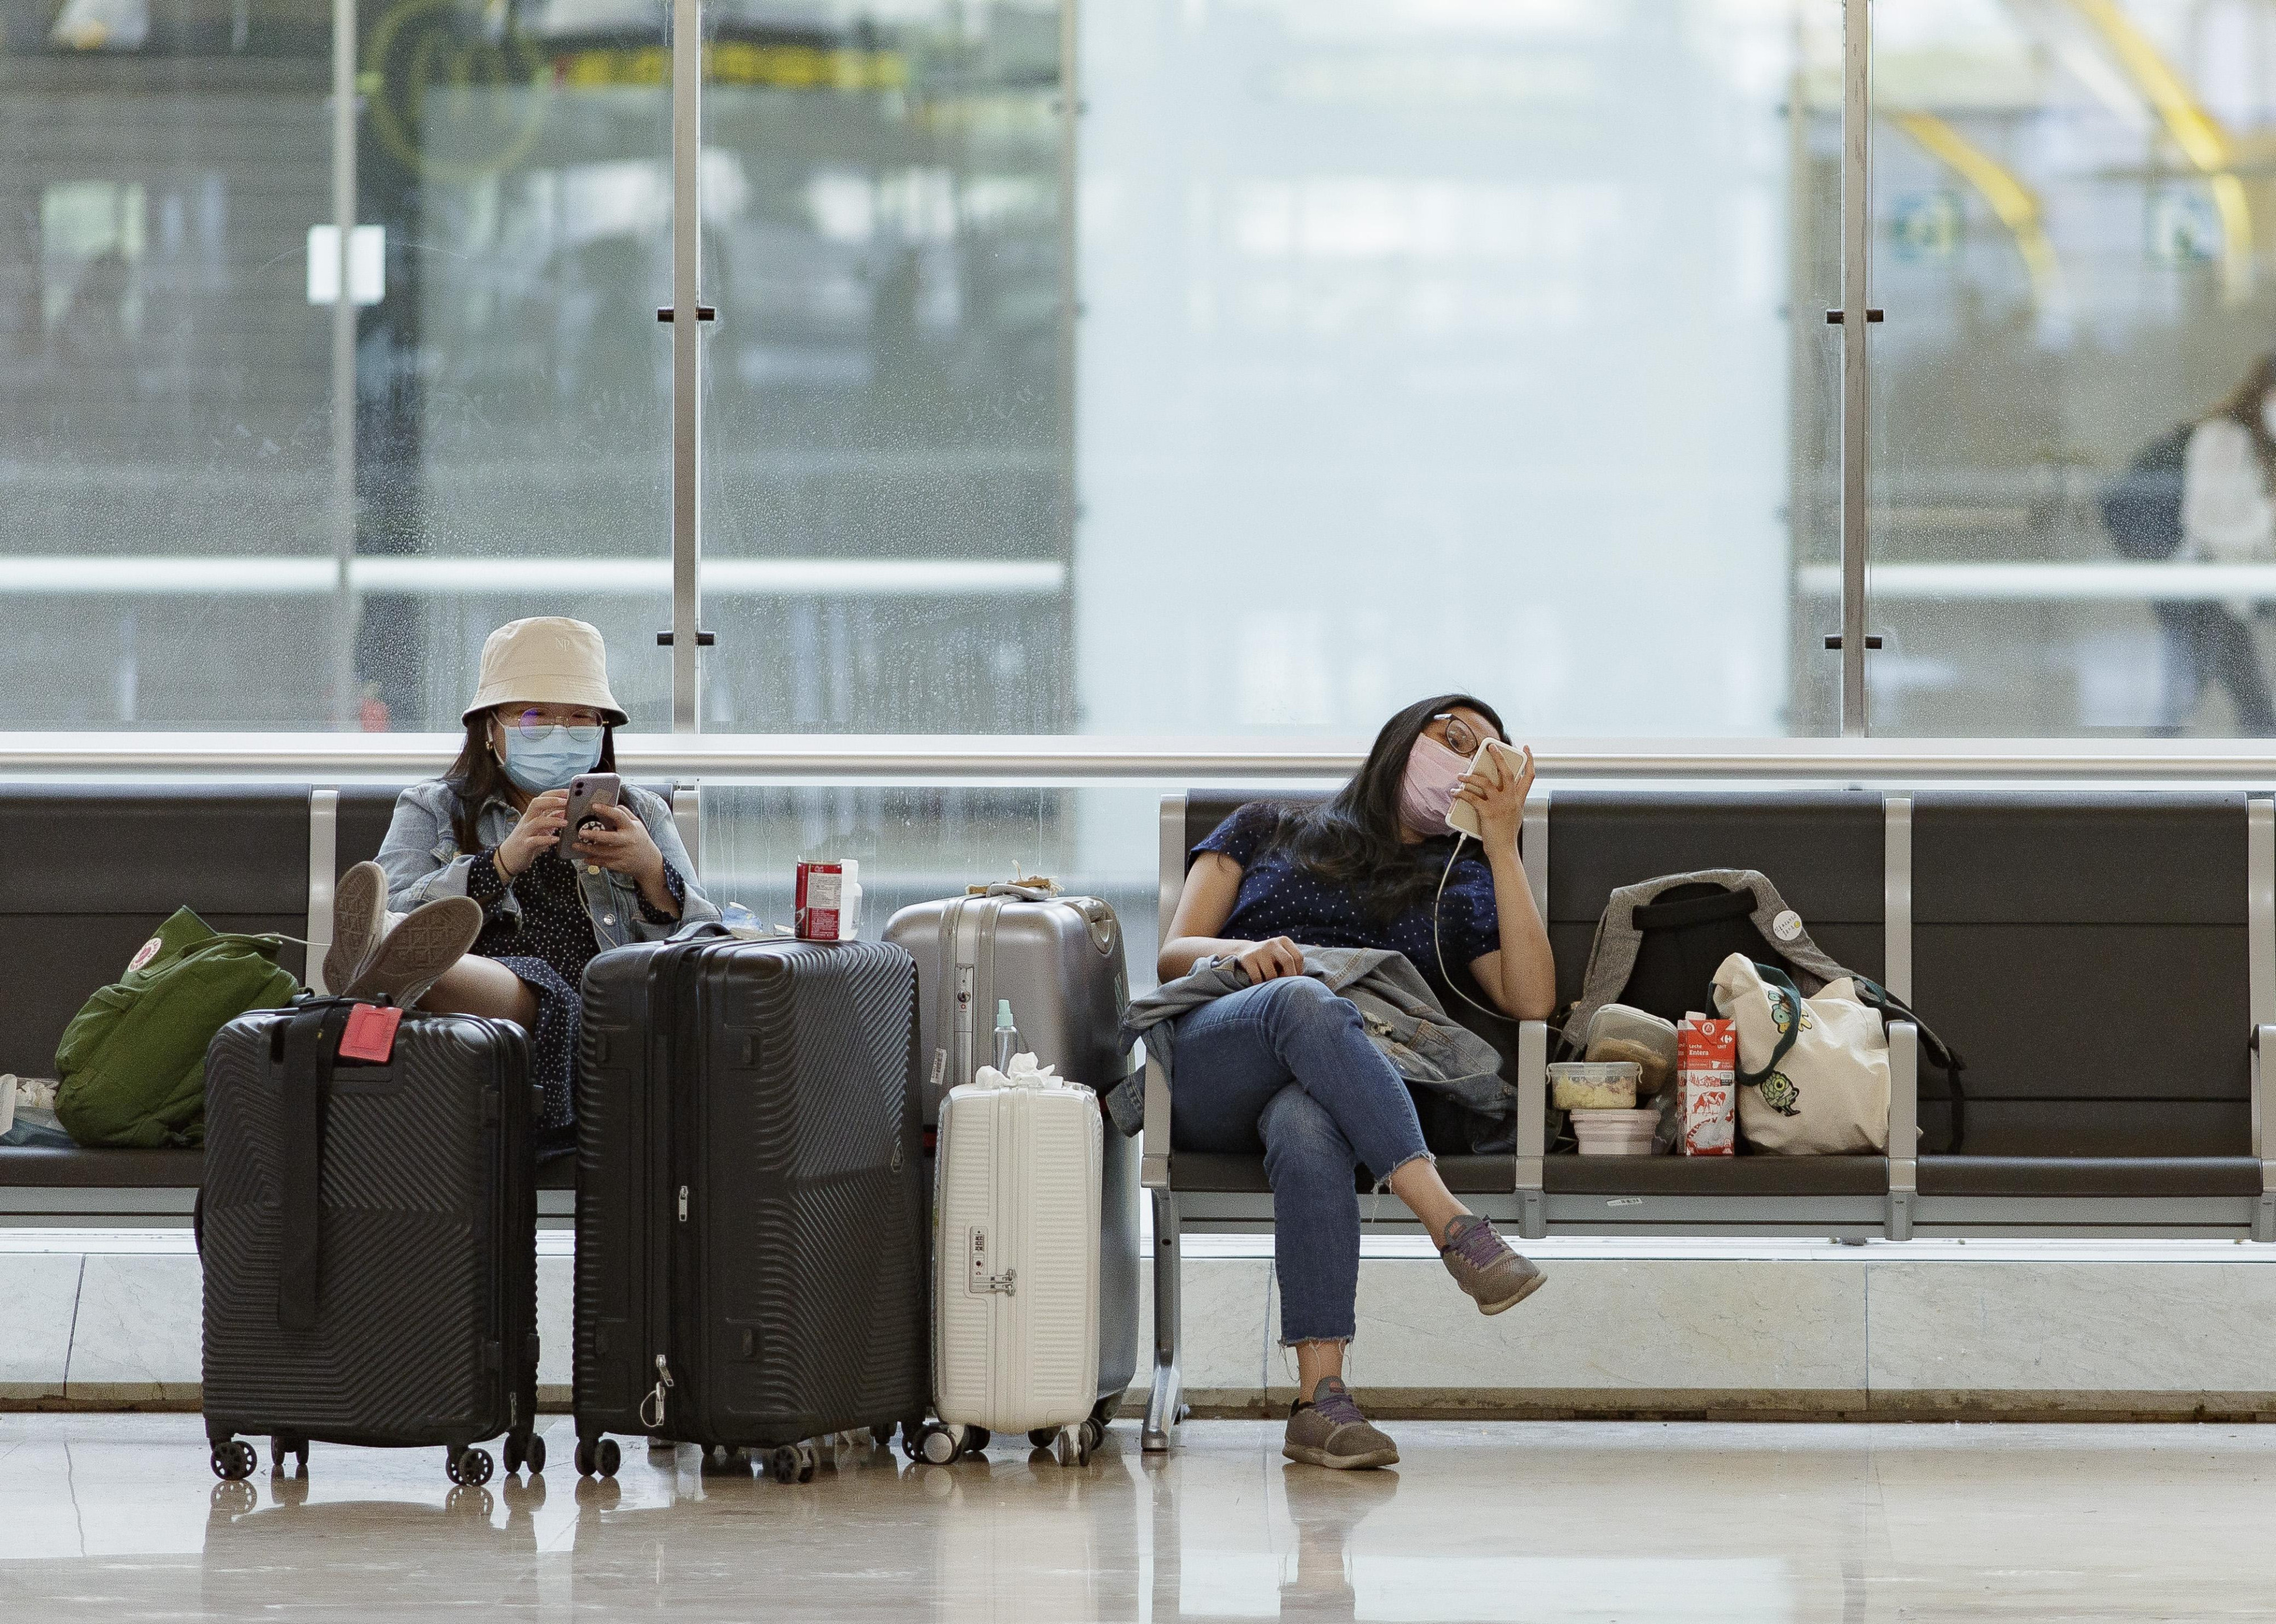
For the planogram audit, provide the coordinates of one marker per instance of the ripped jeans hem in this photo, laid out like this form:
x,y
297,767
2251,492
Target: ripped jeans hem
x,y
1302,1341
1383,1184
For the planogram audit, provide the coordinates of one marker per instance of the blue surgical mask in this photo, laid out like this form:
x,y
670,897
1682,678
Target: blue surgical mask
x,y
550,761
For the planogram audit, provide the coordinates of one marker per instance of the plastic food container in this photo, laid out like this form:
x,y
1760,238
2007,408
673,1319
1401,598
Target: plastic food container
x,y
1594,1086
1617,1032
1615,1133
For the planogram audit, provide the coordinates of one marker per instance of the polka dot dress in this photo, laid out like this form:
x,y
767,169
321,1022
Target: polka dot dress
x,y
1279,897
548,946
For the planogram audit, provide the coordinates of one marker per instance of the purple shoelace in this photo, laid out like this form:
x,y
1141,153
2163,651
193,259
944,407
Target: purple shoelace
x,y
1338,1405
1477,1243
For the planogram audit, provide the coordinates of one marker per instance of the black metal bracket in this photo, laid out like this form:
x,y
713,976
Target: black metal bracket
x,y
1833,317
1872,641
703,313
703,639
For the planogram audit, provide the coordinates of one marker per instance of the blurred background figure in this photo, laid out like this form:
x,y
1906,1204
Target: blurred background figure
x,y
2202,493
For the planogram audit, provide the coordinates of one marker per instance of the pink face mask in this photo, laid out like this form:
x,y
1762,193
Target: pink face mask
x,y
1433,773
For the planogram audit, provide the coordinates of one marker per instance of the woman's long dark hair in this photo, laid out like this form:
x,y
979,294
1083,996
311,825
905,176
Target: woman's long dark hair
x,y
478,777
1352,839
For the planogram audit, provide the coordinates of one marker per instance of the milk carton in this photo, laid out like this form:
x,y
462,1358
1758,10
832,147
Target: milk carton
x,y
1706,1082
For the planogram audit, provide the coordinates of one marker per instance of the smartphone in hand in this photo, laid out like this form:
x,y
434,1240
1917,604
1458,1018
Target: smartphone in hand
x,y
587,792
1496,760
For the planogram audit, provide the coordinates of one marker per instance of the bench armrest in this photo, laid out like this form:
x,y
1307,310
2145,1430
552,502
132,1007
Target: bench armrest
x,y
1904,1103
1532,1126
1154,1137
1904,1127
2264,1135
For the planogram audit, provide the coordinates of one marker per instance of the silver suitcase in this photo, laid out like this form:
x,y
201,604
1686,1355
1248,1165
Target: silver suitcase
x,y
1060,962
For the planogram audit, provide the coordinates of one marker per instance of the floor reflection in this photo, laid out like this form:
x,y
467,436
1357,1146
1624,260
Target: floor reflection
x,y
116,1517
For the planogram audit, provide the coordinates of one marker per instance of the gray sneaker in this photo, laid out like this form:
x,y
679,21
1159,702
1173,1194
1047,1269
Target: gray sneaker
x,y
359,922
1327,1430
1482,1265
428,941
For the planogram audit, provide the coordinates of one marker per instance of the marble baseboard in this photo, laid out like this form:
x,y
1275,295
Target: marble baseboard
x,y
1769,1338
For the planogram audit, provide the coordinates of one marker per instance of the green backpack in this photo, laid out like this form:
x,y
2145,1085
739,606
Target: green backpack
x,y
132,1062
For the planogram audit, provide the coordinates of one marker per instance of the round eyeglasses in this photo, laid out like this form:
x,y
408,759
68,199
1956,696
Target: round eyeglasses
x,y
539,720
1461,738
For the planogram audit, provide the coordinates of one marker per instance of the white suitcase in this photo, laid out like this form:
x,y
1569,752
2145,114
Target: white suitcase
x,y
1016,1285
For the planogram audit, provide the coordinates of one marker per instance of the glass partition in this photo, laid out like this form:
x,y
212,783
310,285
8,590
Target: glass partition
x,y
887,460
192,534
1433,347
2072,212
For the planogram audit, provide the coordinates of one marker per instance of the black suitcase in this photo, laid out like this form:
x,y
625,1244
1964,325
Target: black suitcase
x,y
752,1230
370,1236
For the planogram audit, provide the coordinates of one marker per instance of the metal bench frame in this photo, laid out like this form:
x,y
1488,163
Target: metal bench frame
x,y
1897,1213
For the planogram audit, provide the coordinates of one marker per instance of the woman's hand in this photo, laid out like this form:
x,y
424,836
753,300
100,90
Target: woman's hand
x,y
1269,961
624,847
538,828
1498,799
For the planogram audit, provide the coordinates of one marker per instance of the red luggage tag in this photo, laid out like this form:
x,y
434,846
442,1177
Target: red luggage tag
x,y
370,1033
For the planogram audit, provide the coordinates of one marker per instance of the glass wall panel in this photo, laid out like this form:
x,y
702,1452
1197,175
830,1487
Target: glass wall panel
x,y
2072,212
887,465
915,843
174,547
1456,346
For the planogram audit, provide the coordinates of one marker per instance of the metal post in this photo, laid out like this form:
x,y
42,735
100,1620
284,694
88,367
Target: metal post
x,y
687,356
343,357
1070,178
1856,209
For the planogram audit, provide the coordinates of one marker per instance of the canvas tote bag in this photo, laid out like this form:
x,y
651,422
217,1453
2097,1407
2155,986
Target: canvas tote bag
x,y
1813,1073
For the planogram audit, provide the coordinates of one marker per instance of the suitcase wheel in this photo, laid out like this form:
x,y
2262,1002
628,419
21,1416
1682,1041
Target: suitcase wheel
x,y
234,1459
1072,1449
469,1468
881,1435
976,1440
793,1463
520,1450
602,1457
938,1443
285,1444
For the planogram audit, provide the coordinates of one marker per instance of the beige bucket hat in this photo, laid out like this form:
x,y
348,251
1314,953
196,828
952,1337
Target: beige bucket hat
x,y
546,660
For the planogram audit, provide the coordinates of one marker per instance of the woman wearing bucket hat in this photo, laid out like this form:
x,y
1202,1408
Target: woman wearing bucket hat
x,y
488,830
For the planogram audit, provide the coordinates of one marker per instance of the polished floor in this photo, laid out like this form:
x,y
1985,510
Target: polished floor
x,y
117,1518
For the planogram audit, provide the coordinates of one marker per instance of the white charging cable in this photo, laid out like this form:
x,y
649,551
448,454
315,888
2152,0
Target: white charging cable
x,y
1439,945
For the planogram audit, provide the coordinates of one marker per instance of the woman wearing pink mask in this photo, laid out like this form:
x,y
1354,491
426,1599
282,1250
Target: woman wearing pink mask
x,y
1285,1065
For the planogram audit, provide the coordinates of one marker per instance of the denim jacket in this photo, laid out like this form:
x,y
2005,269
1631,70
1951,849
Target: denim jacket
x,y
423,861
1430,1049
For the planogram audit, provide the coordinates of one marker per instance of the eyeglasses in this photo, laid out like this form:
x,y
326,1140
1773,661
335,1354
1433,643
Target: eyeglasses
x,y
540,720
1461,738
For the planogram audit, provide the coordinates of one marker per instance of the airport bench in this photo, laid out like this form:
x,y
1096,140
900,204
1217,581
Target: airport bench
x,y
2105,962
252,858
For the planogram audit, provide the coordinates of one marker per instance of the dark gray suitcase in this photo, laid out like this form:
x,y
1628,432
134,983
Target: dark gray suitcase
x,y
752,1230
1060,961
368,1235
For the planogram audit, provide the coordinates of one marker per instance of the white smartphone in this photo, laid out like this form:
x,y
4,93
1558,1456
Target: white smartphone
x,y
1461,817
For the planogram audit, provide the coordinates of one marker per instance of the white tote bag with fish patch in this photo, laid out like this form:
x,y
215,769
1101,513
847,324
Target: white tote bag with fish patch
x,y
1813,1072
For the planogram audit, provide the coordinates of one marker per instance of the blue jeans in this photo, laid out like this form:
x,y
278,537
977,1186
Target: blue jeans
x,y
1285,1067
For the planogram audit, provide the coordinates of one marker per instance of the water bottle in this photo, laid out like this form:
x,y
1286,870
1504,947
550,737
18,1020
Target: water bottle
x,y
1008,1036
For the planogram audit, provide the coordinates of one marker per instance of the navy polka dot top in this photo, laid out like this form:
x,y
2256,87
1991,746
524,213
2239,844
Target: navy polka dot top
x,y
1279,897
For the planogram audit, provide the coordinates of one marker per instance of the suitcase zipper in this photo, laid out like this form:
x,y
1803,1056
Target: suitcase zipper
x,y
656,1396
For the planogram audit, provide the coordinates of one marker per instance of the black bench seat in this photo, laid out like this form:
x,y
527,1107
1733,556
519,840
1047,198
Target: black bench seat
x,y
1717,1175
